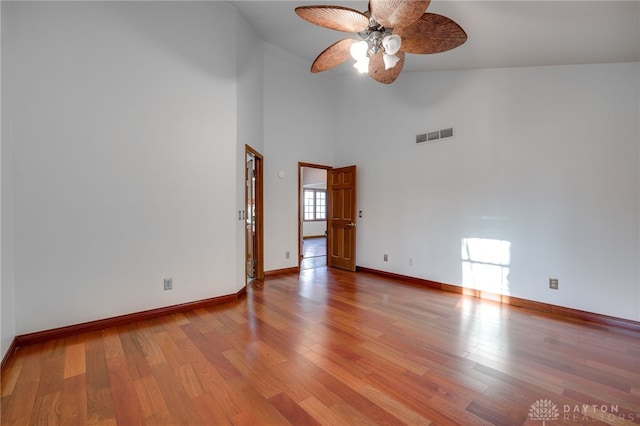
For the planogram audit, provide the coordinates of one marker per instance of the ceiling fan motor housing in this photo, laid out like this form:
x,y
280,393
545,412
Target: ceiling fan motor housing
x,y
375,41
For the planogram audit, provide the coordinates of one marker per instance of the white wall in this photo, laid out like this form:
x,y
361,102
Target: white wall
x,y
314,177
298,126
314,229
544,164
249,119
7,288
123,126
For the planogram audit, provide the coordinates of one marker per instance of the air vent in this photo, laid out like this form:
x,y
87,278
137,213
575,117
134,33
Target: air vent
x,y
446,133
435,135
432,136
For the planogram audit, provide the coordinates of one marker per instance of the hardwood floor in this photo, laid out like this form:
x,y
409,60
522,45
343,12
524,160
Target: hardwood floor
x,y
337,348
314,253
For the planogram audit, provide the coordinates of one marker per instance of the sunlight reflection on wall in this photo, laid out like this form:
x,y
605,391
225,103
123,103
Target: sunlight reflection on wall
x,y
485,264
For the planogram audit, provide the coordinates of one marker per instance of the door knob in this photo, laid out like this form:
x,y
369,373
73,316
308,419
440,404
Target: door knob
x,y
351,225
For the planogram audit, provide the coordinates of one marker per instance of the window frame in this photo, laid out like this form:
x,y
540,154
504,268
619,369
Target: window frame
x,y
315,205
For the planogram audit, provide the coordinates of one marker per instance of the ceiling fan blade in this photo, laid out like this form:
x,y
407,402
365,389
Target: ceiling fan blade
x,y
334,17
379,74
333,55
392,13
431,33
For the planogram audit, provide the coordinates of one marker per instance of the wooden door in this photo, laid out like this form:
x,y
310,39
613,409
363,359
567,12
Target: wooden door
x,y
250,234
341,241
254,214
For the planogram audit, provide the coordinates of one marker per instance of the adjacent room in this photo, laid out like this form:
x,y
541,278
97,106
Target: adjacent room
x,y
314,217
171,213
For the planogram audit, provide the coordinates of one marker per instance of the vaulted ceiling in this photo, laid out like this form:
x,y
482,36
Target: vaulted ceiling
x,y
500,33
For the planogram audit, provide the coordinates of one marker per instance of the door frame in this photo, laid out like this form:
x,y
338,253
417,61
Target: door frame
x,y
300,206
259,214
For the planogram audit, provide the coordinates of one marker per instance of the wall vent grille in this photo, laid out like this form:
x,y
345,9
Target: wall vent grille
x,y
435,135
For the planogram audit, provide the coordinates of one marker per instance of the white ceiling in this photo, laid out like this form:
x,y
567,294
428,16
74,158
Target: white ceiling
x,y
500,33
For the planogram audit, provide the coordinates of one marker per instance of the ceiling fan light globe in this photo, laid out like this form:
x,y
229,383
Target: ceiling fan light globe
x,y
362,65
390,61
391,44
359,50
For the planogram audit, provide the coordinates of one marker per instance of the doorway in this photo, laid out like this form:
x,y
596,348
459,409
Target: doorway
x,y
254,224
312,215
338,207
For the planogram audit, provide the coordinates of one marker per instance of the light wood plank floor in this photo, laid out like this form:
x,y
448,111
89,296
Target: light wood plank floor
x,y
337,348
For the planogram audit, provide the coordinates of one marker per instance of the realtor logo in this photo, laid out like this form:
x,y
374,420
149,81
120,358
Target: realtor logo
x,y
545,410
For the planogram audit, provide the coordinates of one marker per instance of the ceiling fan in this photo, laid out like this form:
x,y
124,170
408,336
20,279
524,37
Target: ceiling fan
x,y
386,31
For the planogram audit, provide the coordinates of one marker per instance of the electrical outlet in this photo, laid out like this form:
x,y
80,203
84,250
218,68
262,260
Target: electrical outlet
x,y
168,283
287,254
386,258
411,261
553,283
